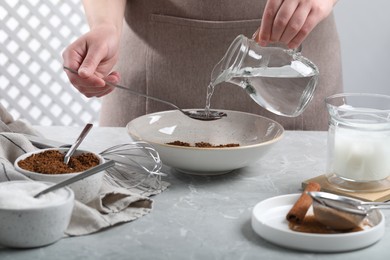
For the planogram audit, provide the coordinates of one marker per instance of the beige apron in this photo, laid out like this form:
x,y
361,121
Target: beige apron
x,y
169,48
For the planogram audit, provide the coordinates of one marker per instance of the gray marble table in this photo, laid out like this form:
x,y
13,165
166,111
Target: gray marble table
x,y
203,217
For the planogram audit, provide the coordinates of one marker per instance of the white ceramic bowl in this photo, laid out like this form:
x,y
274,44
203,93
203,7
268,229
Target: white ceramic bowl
x,y
85,190
33,225
255,135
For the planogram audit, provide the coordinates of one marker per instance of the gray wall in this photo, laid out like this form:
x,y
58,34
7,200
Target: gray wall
x,y
364,28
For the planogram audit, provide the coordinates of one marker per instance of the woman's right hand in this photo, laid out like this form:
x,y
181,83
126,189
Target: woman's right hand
x,y
94,55
291,21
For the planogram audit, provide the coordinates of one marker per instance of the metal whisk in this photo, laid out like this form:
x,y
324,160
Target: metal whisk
x,y
137,166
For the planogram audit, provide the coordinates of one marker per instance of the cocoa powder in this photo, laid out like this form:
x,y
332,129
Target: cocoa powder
x,y
52,162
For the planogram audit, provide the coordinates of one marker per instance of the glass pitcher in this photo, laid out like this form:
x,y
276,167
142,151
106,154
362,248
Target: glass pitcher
x,y
280,80
359,142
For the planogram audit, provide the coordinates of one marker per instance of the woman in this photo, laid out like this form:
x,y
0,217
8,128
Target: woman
x,y
167,49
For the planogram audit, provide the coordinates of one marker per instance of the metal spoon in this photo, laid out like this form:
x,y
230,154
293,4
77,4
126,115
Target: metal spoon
x,y
74,146
78,177
194,114
340,212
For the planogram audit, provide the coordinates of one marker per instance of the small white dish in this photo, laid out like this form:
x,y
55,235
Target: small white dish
x,y
269,222
254,134
28,222
85,190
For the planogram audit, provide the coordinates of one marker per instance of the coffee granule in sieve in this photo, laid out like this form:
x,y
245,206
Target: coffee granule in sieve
x,y
52,162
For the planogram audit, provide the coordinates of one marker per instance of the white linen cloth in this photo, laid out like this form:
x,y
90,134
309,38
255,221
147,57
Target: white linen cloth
x,y
114,205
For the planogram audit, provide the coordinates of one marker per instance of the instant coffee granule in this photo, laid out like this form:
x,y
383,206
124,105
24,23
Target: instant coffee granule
x,y
52,162
202,144
179,143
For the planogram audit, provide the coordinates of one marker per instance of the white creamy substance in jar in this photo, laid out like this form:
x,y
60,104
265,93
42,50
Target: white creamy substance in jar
x,y
361,155
20,195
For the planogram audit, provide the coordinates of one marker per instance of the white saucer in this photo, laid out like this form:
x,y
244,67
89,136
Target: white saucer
x,y
269,222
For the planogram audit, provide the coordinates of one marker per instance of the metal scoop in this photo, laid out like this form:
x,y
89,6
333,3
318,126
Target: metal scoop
x,y
194,114
340,212
78,177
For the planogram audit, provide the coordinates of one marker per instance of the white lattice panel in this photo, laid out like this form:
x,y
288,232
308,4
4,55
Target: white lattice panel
x,y
33,86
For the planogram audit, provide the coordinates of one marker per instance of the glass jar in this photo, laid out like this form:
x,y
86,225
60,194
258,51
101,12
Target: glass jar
x,y
358,154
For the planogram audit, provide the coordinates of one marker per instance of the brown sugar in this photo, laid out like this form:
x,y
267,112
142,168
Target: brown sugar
x,y
202,144
52,162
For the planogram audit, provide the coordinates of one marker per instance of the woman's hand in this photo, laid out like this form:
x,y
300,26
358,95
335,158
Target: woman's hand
x,y
93,55
290,21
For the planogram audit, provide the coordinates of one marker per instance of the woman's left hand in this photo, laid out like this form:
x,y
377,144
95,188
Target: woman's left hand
x,y
290,21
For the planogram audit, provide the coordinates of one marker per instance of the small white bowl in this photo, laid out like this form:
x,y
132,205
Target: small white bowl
x,y
255,135
25,224
85,190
